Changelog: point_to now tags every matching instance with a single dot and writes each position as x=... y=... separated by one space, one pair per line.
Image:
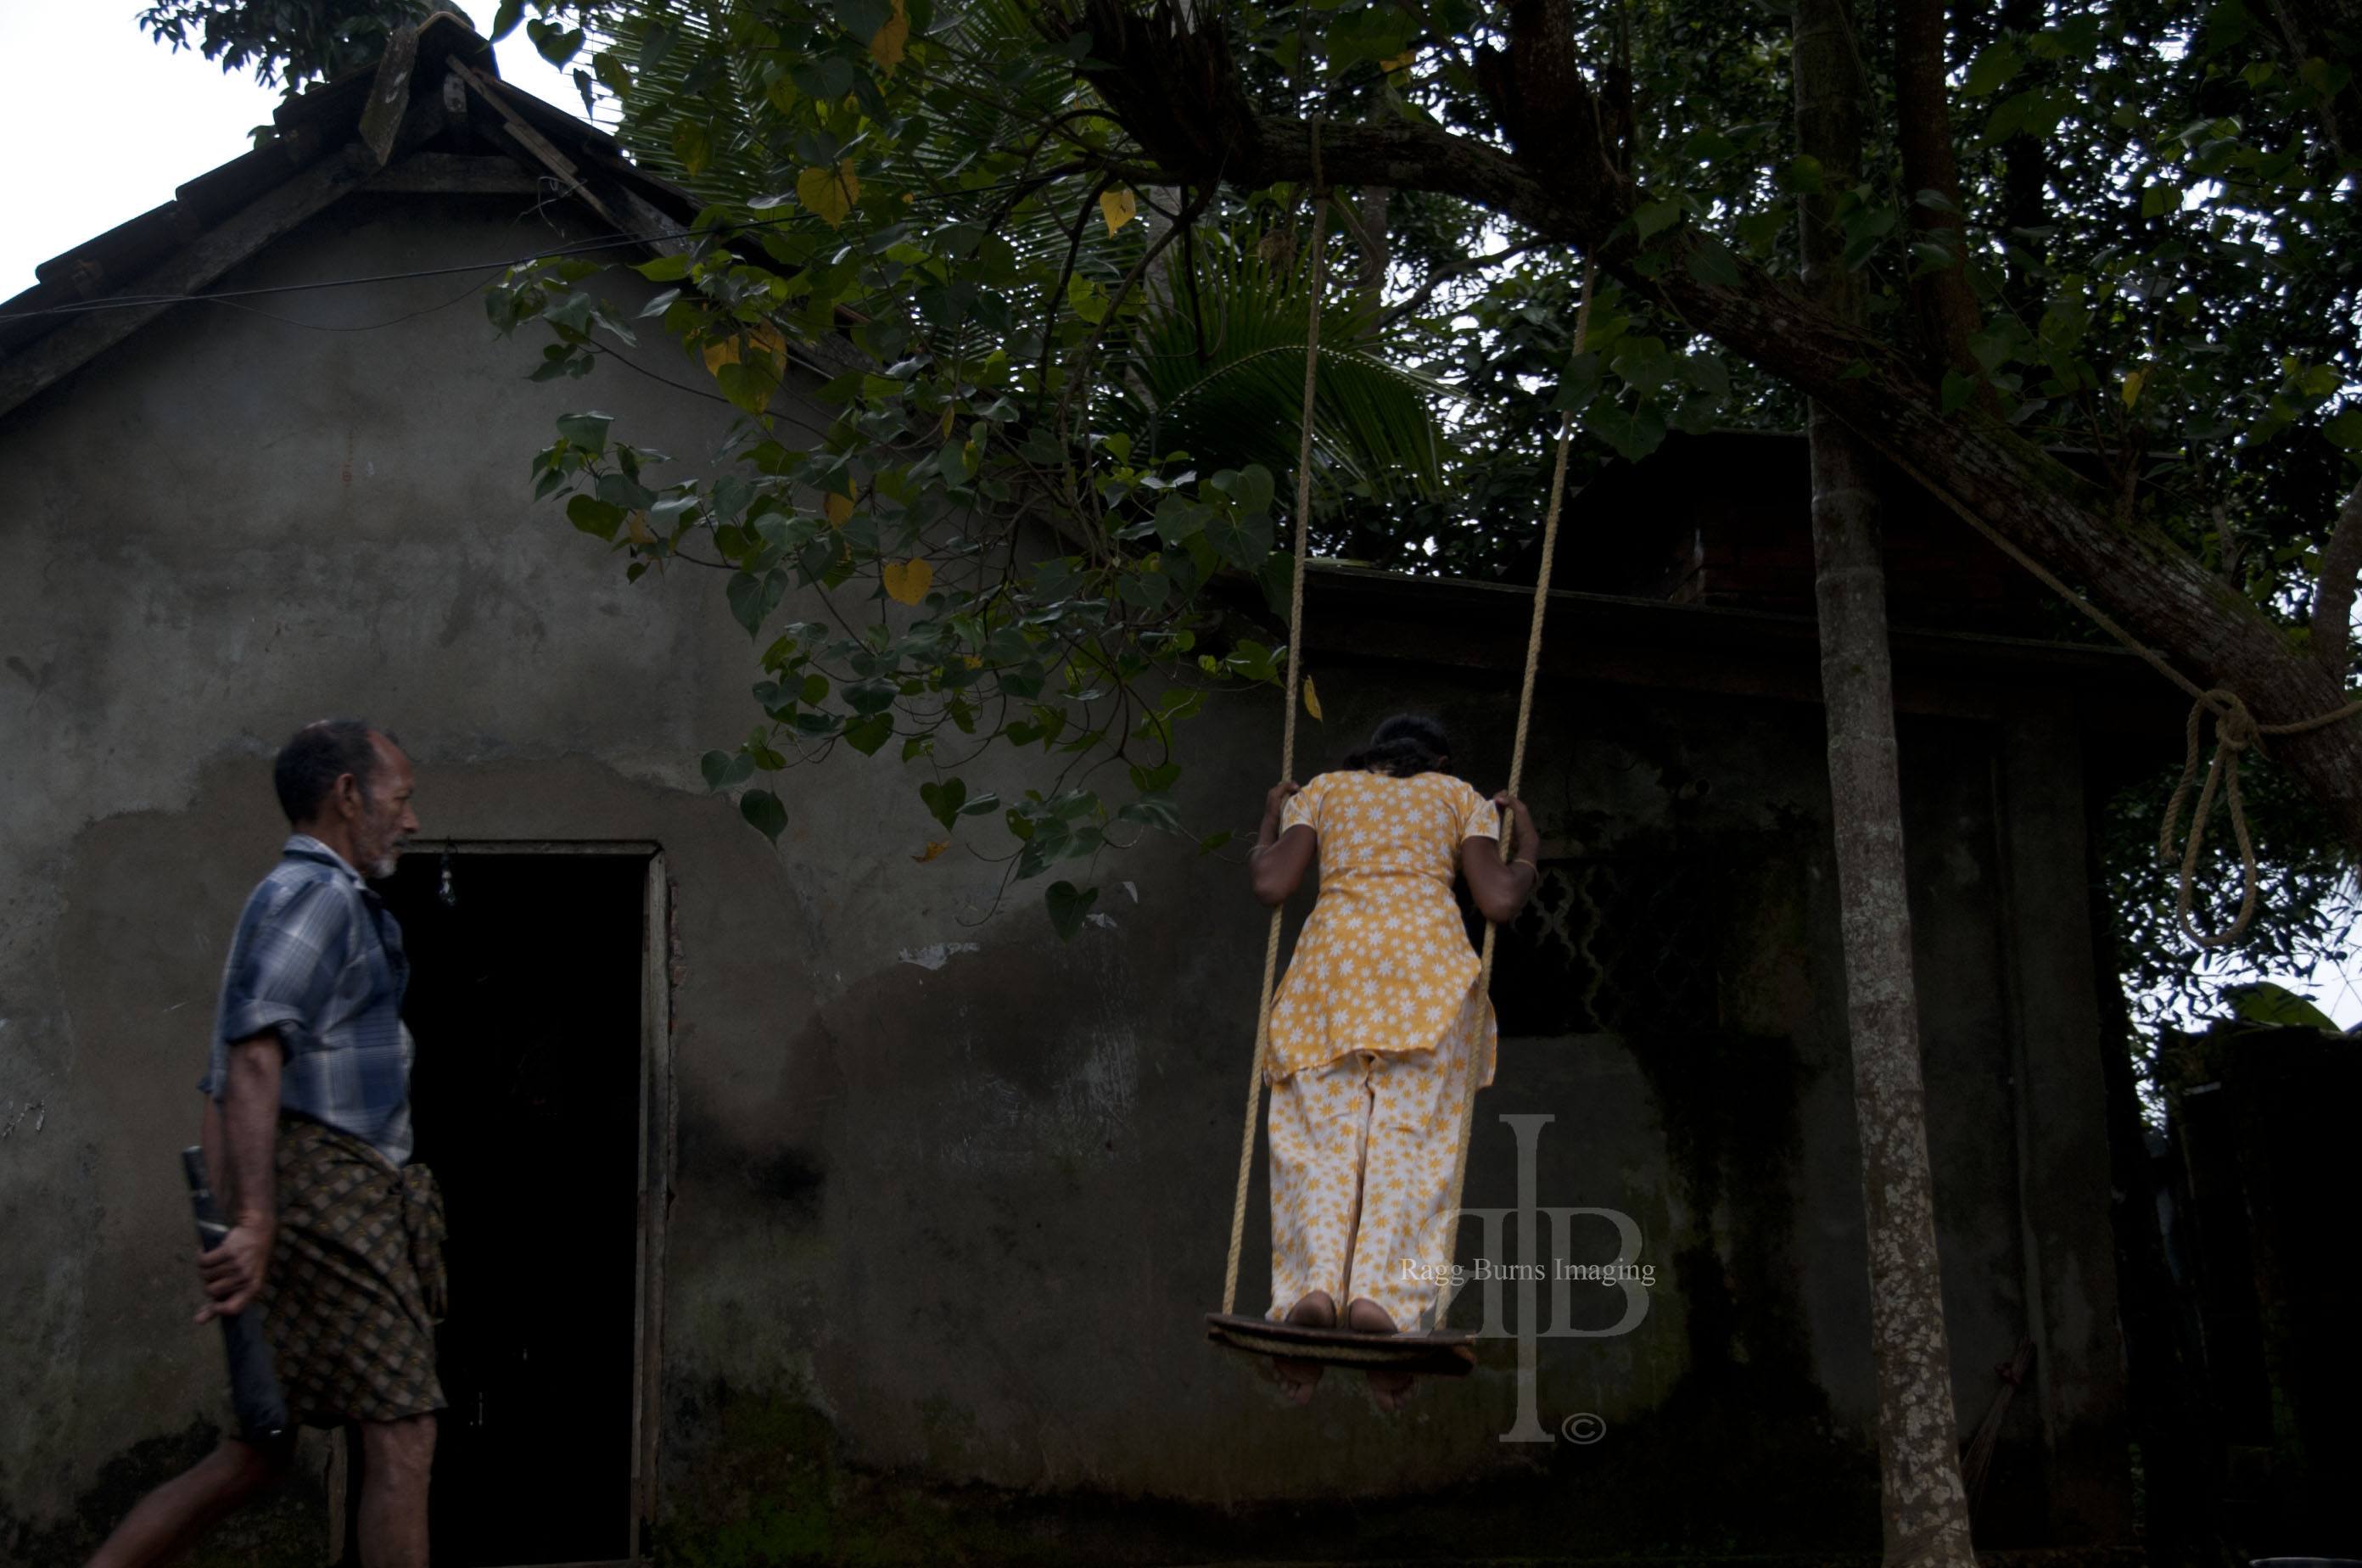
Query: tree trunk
x=1927 y=1512
x=2024 y=179
x=1941 y=300
x=1369 y=277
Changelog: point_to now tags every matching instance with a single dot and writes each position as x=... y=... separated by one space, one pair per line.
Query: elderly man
x=334 y=1237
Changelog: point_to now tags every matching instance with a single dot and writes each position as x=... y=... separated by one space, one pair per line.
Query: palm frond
x=1218 y=371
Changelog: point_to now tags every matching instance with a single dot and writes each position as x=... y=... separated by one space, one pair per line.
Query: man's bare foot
x=1316 y=1309
x=1390 y=1389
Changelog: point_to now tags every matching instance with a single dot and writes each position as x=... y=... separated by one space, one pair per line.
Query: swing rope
x=1476 y=1058
x=2236 y=730
x=1316 y=278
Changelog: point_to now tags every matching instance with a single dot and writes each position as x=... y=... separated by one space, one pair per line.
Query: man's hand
x=233 y=1272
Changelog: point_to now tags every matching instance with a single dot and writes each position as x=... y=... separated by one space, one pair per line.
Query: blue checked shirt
x=318 y=960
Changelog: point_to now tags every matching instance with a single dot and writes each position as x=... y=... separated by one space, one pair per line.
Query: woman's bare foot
x=1316 y=1309
x=1390 y=1389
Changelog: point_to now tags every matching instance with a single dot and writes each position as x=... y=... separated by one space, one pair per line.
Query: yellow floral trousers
x=1362 y=1155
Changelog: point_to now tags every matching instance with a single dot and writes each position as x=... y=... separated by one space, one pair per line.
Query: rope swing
x=1517 y=768
x=1316 y=277
x=1434 y=1350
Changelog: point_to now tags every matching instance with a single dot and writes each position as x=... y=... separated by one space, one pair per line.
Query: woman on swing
x=1372 y=1029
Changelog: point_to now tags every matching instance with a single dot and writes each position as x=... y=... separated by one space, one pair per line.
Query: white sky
x=73 y=166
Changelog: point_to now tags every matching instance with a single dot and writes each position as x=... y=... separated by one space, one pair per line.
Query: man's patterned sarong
x=356 y=1283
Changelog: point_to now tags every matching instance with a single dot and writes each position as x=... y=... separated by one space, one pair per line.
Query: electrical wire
x=461 y=297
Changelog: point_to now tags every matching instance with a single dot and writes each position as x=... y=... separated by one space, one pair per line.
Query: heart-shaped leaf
x=907 y=581
x=891 y=41
x=764 y=813
x=594 y=517
x=943 y=800
x=867 y=735
x=586 y=430
x=829 y=193
x=1243 y=540
x=752 y=598
x=1253 y=490
x=721 y=769
x=1068 y=905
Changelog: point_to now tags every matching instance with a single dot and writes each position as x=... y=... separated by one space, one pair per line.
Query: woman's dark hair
x=1405 y=745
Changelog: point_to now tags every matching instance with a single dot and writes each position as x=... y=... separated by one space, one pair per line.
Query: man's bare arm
x=233 y=1272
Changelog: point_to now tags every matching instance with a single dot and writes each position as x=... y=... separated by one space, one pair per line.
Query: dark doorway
x=526 y=973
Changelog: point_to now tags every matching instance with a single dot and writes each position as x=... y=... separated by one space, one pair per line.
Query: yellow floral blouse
x=1384 y=964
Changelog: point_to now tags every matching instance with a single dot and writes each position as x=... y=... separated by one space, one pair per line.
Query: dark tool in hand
x=253 y=1384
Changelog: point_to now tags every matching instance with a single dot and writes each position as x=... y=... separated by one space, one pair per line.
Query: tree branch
x=1176 y=91
x=2332 y=599
x=1410 y=304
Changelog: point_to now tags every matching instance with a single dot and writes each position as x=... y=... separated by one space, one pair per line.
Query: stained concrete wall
x=949 y=1197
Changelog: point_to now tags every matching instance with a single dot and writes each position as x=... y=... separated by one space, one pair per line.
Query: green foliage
x=1047 y=497
x=290 y=41
x=2275 y=1006
x=1217 y=366
x=1072 y=401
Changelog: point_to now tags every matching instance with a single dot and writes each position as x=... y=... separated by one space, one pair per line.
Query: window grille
x=1610 y=945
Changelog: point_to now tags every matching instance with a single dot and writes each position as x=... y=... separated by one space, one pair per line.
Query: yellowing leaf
x=732 y=350
x=1118 y=206
x=829 y=193
x=907 y=581
x=950 y=414
x=2133 y=387
x=1400 y=63
x=935 y=847
x=838 y=509
x=636 y=529
x=887 y=45
x=1311 y=700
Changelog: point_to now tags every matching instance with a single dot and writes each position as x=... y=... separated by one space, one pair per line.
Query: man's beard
x=380 y=866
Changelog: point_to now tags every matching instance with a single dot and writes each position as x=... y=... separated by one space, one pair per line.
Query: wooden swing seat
x=1438 y=1353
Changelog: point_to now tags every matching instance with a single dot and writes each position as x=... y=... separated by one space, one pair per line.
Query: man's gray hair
x=319 y=754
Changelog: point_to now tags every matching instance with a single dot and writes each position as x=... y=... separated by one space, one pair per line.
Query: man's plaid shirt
x=318 y=960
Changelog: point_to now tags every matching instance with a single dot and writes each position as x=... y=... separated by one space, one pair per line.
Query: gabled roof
x=431 y=115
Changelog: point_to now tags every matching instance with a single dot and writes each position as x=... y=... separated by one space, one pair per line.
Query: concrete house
x=797 y=1213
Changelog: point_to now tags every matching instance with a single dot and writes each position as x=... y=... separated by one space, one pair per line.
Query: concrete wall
x=950 y=1198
